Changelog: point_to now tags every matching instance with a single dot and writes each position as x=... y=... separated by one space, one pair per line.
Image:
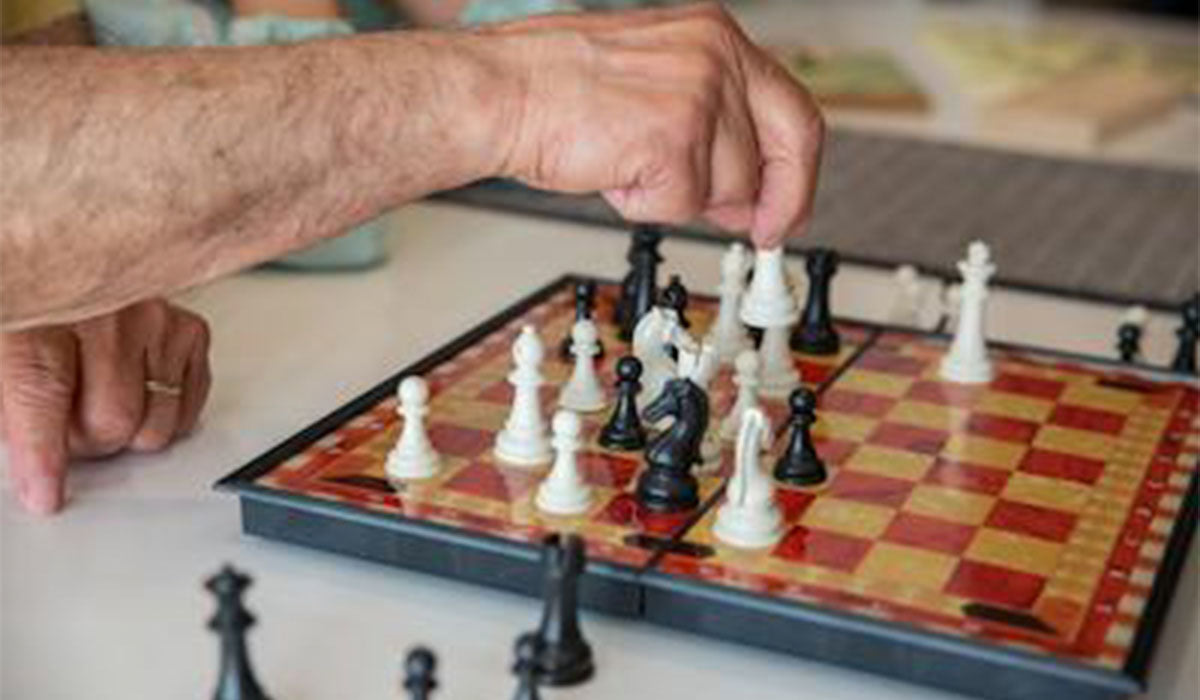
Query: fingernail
x=40 y=496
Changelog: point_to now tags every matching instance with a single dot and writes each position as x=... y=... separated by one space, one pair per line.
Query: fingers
x=112 y=387
x=38 y=372
x=197 y=380
x=179 y=361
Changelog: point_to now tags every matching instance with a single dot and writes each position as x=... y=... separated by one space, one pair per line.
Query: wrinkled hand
x=671 y=113
x=80 y=391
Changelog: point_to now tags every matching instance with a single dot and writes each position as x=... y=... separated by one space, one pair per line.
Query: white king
x=967 y=360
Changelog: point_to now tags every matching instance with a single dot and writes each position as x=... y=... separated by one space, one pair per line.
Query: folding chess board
x=1013 y=540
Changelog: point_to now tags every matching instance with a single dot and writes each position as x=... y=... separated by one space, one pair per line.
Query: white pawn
x=523 y=440
x=563 y=491
x=750 y=517
x=413 y=457
x=582 y=391
x=967 y=360
x=906 y=304
x=771 y=305
x=745 y=377
x=728 y=334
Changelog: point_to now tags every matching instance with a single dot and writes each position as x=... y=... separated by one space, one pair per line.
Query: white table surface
x=104 y=601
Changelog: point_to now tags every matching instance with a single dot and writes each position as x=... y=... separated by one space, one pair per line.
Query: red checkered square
x=493 y=482
x=793 y=503
x=870 y=488
x=822 y=548
x=995 y=585
x=1087 y=419
x=607 y=470
x=1060 y=465
x=833 y=451
x=892 y=363
x=1035 y=521
x=624 y=510
x=1036 y=387
x=929 y=533
x=459 y=441
x=909 y=437
x=968 y=477
x=1001 y=427
x=945 y=394
x=814 y=373
x=855 y=402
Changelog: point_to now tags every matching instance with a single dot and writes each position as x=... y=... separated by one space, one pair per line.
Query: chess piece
x=231 y=621
x=728 y=334
x=523 y=439
x=640 y=287
x=800 y=465
x=750 y=517
x=525 y=667
x=624 y=430
x=771 y=305
x=816 y=334
x=563 y=491
x=650 y=343
x=667 y=483
x=745 y=378
x=413 y=457
x=699 y=364
x=419 y=668
x=564 y=657
x=585 y=307
x=675 y=297
x=583 y=392
x=1129 y=334
x=906 y=304
x=1188 y=332
x=951 y=304
x=967 y=360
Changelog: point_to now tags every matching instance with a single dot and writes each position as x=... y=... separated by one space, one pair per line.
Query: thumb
x=37 y=388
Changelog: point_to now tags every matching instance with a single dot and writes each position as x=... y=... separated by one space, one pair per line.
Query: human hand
x=670 y=113
x=134 y=379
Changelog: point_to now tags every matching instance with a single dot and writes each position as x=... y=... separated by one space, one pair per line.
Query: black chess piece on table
x=564 y=657
x=525 y=667
x=640 y=288
x=800 y=465
x=675 y=297
x=585 y=306
x=419 y=668
x=816 y=334
x=667 y=483
x=1129 y=342
x=1188 y=333
x=236 y=679
x=624 y=430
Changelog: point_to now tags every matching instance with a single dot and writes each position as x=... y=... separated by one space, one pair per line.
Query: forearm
x=129 y=174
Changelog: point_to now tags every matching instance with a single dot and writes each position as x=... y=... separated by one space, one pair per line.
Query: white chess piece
x=651 y=338
x=413 y=457
x=523 y=440
x=728 y=334
x=967 y=360
x=951 y=305
x=771 y=305
x=745 y=378
x=582 y=391
x=750 y=518
x=1136 y=316
x=563 y=491
x=700 y=365
x=907 y=302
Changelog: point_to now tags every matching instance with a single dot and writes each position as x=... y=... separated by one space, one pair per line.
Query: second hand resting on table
x=239 y=155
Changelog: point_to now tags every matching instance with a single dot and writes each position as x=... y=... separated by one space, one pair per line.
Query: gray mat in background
x=1115 y=233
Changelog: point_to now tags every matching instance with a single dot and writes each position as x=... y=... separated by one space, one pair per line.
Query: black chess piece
x=815 y=334
x=419 y=668
x=800 y=465
x=675 y=297
x=640 y=288
x=1188 y=333
x=1129 y=342
x=564 y=657
x=667 y=483
x=624 y=430
x=236 y=680
x=525 y=667
x=585 y=306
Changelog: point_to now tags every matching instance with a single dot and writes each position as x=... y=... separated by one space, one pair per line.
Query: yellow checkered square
x=1013 y=551
x=887 y=461
x=843 y=426
x=847 y=517
x=1015 y=406
x=928 y=415
x=902 y=565
x=1044 y=491
x=1104 y=398
x=949 y=504
x=870 y=382
x=1084 y=443
x=984 y=451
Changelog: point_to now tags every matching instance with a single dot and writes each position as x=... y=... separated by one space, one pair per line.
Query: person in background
x=131 y=175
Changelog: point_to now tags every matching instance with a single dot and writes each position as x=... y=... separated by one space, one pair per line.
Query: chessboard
x=1013 y=539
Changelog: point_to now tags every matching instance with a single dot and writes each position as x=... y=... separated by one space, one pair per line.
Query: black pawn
x=815 y=333
x=1129 y=341
x=624 y=430
x=800 y=465
x=564 y=657
x=585 y=306
x=640 y=288
x=419 y=668
x=1188 y=332
x=525 y=666
x=236 y=680
x=675 y=297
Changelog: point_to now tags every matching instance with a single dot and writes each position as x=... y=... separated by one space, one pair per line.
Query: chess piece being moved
x=523 y=440
x=745 y=378
x=231 y=621
x=525 y=667
x=800 y=465
x=563 y=491
x=675 y=297
x=624 y=430
x=583 y=392
x=667 y=484
x=1129 y=334
x=967 y=360
x=585 y=308
x=771 y=305
x=419 y=668
x=564 y=658
x=413 y=457
x=750 y=517
x=728 y=335
x=816 y=334
x=1188 y=331
x=639 y=290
